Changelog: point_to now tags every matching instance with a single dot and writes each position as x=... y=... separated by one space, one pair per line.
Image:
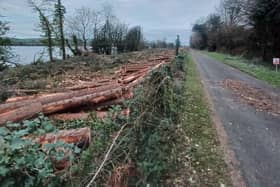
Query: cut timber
x=76 y=101
x=132 y=78
x=24 y=98
x=22 y=113
x=50 y=98
x=93 y=94
x=109 y=103
x=84 y=115
x=79 y=137
x=6 y=107
x=117 y=101
x=78 y=93
x=70 y=116
x=91 y=84
x=104 y=114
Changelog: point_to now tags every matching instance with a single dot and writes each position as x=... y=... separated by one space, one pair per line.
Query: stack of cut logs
x=93 y=96
x=75 y=102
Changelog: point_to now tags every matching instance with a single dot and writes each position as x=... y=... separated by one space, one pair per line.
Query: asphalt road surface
x=253 y=136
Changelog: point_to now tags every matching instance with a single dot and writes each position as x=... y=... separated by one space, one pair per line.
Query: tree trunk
x=61 y=30
x=71 y=49
x=50 y=43
x=77 y=101
x=80 y=137
x=85 y=42
x=26 y=112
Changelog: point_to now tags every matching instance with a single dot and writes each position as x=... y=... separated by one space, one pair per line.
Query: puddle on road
x=255 y=97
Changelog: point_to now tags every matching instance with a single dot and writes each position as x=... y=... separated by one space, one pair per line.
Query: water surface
x=29 y=54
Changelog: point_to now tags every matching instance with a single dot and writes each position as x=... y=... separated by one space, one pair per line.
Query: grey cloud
x=159 y=18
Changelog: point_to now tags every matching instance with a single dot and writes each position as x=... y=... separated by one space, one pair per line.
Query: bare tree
x=232 y=12
x=83 y=24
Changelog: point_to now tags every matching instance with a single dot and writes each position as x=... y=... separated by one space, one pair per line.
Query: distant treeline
x=246 y=27
x=33 y=42
x=26 y=42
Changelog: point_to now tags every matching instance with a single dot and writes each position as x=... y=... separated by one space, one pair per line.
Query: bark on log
x=133 y=77
x=21 y=113
x=108 y=91
x=91 y=84
x=50 y=98
x=77 y=93
x=109 y=103
x=79 y=137
x=22 y=98
x=70 y=116
x=77 y=101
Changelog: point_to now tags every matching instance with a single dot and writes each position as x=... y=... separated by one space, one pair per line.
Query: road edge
x=229 y=156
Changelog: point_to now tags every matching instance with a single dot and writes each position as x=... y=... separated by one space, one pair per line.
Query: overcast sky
x=160 y=19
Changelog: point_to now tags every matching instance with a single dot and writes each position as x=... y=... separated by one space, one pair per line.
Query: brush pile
x=75 y=102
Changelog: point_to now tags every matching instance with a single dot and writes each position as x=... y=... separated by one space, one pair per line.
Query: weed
x=23 y=162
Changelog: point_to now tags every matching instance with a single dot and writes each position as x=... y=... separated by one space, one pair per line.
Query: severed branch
x=106 y=157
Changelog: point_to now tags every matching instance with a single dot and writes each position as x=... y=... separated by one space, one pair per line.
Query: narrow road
x=254 y=136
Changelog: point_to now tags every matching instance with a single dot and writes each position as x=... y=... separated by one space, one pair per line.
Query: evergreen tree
x=4 y=45
x=59 y=25
x=134 y=39
x=46 y=27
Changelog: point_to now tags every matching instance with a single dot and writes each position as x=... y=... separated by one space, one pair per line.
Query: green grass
x=206 y=154
x=260 y=72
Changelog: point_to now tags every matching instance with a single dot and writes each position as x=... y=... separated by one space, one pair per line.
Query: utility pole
x=178 y=43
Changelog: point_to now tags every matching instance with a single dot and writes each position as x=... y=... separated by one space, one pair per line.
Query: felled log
x=91 y=84
x=135 y=82
x=24 y=98
x=25 y=101
x=79 y=137
x=70 y=116
x=6 y=107
x=105 y=93
x=117 y=101
x=17 y=111
x=161 y=58
x=84 y=115
x=21 y=113
x=50 y=98
x=104 y=114
x=78 y=93
x=76 y=101
x=78 y=116
x=132 y=77
x=109 y=103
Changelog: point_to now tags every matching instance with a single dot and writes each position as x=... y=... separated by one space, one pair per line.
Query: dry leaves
x=256 y=97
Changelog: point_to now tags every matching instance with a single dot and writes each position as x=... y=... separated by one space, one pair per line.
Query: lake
x=29 y=54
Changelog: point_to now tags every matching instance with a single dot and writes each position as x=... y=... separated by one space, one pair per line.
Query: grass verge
x=259 y=71
x=209 y=168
